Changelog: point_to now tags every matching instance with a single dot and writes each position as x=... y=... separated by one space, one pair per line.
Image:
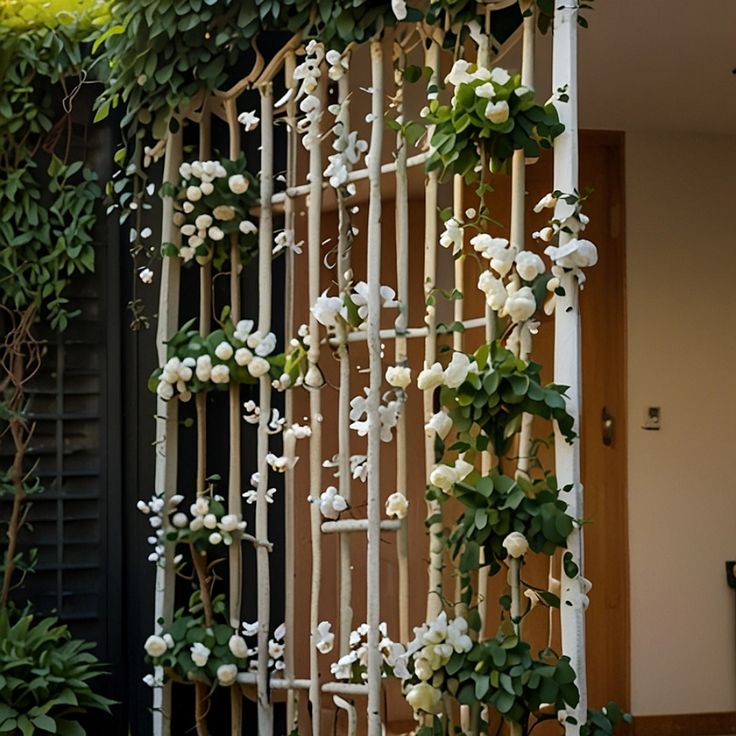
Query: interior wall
x=681 y=272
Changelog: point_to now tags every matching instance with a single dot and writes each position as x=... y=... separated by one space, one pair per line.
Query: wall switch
x=652 y=418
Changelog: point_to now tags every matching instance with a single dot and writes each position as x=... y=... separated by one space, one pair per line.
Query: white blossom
x=457 y=370
x=398 y=376
x=237 y=184
x=459 y=73
x=249 y=120
x=224 y=212
x=397 y=505
x=243 y=329
x=520 y=304
x=497 y=112
x=574 y=254
x=516 y=544
x=194 y=194
x=145 y=275
x=238 y=647
x=499 y=75
x=453 y=235
x=247 y=227
x=485 y=91
x=441 y=423
x=200 y=654
x=325 y=639
x=424 y=698
x=547 y=202
x=494 y=290
x=227 y=674
x=258 y=367
x=155 y=646
x=331 y=503
x=431 y=377
x=224 y=351
x=528 y=265
x=327 y=309
x=220 y=374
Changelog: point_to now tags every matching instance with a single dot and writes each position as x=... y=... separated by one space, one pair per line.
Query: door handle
x=607 y=427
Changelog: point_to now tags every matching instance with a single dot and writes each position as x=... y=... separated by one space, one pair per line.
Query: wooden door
x=604 y=467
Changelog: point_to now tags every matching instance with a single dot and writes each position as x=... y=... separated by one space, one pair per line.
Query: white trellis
x=303 y=190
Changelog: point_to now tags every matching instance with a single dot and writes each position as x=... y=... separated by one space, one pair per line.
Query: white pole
x=568 y=352
x=373 y=561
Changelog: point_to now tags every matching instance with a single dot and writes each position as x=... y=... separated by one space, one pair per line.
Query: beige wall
x=681 y=282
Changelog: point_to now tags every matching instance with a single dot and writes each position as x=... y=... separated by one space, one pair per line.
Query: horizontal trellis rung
x=357 y=525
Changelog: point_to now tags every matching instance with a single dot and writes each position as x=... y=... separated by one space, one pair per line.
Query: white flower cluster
x=355 y=663
x=249 y=120
x=388 y=415
x=397 y=504
x=445 y=476
x=252 y=495
x=284 y=241
x=453 y=235
x=398 y=376
x=308 y=73
x=358 y=466
x=455 y=374
x=576 y=253
x=331 y=503
x=175 y=374
x=496 y=110
x=327 y=310
x=275 y=646
x=157 y=509
x=203 y=228
x=429 y=652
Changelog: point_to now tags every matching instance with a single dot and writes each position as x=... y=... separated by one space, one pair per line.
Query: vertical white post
x=400 y=345
x=166 y=422
x=568 y=351
x=265 y=250
x=314 y=384
x=373 y=562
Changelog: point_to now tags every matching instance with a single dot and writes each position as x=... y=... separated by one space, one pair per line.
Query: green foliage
x=489 y=405
x=21 y=15
x=603 y=722
x=44 y=677
x=488 y=126
x=497 y=505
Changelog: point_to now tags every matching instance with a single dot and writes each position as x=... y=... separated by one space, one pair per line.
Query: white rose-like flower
x=431 y=377
x=207 y=188
x=249 y=120
x=398 y=376
x=194 y=194
x=247 y=227
x=520 y=305
x=155 y=646
x=227 y=674
x=180 y=520
x=238 y=647
x=529 y=265
x=325 y=640
x=224 y=212
x=258 y=367
x=327 y=309
x=397 y=505
x=331 y=503
x=423 y=697
x=439 y=423
x=462 y=468
x=574 y=254
x=165 y=390
x=203 y=371
x=547 y=202
x=243 y=356
x=220 y=374
x=486 y=91
x=499 y=75
x=497 y=112
x=224 y=351
x=185 y=171
x=443 y=476
x=452 y=236
x=459 y=73
x=516 y=544
x=423 y=669
x=237 y=184
x=457 y=371
x=494 y=290
x=215 y=233
x=200 y=654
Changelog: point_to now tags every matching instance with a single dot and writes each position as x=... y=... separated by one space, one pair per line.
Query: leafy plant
x=44 y=677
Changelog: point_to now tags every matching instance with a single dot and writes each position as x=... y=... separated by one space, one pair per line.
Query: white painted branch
x=356 y=175
x=315 y=408
x=349 y=708
x=265 y=250
x=400 y=346
x=344 y=237
x=292 y=141
x=458 y=213
x=357 y=525
x=568 y=352
x=165 y=478
x=373 y=562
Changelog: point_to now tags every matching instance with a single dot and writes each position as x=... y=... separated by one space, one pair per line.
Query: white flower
x=180 y=520
x=237 y=184
x=545 y=234
x=194 y=194
x=462 y=468
x=243 y=356
x=574 y=254
x=457 y=371
x=423 y=669
x=215 y=233
x=242 y=329
x=231 y=523
x=423 y=697
x=185 y=170
x=210 y=521
x=207 y=188
x=443 y=476
x=459 y=73
x=431 y=377
x=238 y=647
x=220 y=374
x=331 y=503
x=203 y=371
x=187 y=253
x=497 y=112
x=499 y=75
x=399 y=9
x=261 y=344
x=165 y=390
x=520 y=305
x=325 y=639
x=249 y=120
x=516 y=544
x=494 y=290
x=547 y=202
x=145 y=275
x=486 y=91
x=327 y=309
x=275 y=650
x=258 y=367
x=224 y=351
x=247 y=227
x=227 y=674
x=250 y=629
x=200 y=654
x=529 y=265
x=224 y=212
x=398 y=376
x=452 y=236
x=397 y=505
x=439 y=423
x=338 y=64
x=155 y=646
